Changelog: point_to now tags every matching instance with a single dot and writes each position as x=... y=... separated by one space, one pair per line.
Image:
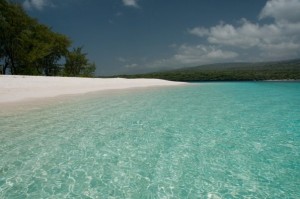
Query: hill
x=280 y=70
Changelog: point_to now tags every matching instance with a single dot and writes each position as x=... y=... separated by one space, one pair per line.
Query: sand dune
x=14 y=88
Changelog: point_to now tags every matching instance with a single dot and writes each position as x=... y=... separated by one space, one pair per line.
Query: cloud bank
x=190 y=55
x=277 y=40
x=282 y=10
x=245 y=41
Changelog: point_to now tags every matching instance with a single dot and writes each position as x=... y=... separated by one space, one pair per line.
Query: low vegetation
x=285 y=70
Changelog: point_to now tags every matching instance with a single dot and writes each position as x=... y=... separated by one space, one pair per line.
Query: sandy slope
x=18 y=88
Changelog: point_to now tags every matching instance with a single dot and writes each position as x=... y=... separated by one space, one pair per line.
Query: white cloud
x=246 y=35
x=280 y=51
x=35 y=4
x=247 y=41
x=282 y=10
x=277 y=40
x=202 y=54
x=191 y=55
x=199 y=31
x=132 y=3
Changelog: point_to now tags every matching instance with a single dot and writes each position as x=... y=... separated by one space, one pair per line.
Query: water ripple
x=229 y=140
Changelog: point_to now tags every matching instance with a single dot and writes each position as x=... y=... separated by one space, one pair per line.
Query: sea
x=201 y=140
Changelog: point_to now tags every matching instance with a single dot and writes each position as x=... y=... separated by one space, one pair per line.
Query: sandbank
x=15 y=88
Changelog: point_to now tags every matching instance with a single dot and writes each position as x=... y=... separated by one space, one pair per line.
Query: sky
x=135 y=36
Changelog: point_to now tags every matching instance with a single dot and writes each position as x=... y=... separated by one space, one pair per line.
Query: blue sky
x=132 y=36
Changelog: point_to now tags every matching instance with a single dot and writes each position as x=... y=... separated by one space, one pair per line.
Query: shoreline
x=33 y=104
x=16 y=89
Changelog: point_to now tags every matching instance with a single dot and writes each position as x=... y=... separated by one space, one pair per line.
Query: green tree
x=30 y=48
x=77 y=64
x=44 y=49
x=26 y=46
x=13 y=23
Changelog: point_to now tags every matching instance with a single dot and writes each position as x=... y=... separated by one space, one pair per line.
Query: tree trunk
x=5 y=67
x=13 y=66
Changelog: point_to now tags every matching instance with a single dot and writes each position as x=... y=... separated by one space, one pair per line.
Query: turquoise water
x=211 y=140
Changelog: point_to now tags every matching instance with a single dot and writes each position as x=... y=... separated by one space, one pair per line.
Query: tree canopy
x=77 y=64
x=28 y=47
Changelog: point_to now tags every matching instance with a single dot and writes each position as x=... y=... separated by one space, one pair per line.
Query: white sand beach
x=15 y=88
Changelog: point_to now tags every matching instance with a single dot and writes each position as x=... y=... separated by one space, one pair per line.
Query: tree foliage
x=30 y=48
x=44 y=49
x=13 y=26
x=78 y=65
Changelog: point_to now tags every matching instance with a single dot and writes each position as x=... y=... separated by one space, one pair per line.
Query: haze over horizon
x=133 y=36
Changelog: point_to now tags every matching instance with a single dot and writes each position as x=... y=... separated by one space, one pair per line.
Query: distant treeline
x=286 y=70
x=28 y=47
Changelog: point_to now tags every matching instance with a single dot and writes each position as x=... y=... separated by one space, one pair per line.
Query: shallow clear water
x=212 y=140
